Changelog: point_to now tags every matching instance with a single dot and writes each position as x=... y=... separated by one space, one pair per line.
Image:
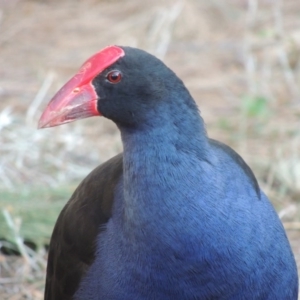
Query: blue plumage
x=188 y=224
x=188 y=219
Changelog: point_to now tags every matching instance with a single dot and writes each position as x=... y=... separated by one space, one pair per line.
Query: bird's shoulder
x=239 y=161
x=73 y=241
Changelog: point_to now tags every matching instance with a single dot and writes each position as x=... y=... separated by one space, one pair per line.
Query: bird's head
x=124 y=84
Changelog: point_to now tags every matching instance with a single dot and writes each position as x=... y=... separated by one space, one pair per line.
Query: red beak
x=78 y=99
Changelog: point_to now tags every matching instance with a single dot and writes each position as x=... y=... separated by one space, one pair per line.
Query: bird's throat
x=160 y=174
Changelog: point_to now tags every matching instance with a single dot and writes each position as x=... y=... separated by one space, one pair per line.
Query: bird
x=176 y=215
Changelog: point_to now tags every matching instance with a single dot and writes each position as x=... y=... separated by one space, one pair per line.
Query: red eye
x=114 y=76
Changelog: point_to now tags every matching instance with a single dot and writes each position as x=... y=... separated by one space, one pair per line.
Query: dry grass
x=240 y=59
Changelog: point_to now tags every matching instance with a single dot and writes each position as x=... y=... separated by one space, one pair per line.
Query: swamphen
x=175 y=216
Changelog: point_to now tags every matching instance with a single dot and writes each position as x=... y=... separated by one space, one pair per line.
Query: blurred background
x=240 y=59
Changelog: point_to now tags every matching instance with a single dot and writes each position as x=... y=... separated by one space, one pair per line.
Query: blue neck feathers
x=162 y=162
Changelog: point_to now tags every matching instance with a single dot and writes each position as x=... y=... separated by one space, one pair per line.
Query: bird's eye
x=114 y=76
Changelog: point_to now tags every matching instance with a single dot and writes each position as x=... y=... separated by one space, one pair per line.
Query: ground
x=240 y=59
